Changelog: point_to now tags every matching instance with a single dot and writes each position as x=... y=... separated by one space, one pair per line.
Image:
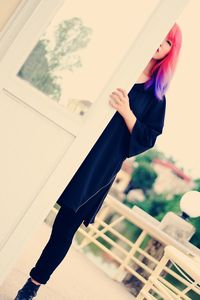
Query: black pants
x=64 y=227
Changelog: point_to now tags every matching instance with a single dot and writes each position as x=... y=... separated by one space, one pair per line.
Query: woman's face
x=163 y=50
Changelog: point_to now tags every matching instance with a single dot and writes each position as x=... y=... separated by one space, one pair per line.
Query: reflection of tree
x=70 y=36
x=43 y=62
x=36 y=71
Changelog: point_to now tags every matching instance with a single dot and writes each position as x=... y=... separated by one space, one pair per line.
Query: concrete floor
x=75 y=278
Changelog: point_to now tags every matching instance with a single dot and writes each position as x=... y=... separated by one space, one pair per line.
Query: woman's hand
x=120 y=101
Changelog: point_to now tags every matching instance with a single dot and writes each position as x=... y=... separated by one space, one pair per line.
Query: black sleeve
x=144 y=133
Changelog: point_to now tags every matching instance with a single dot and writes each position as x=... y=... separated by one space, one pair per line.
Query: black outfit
x=97 y=172
x=28 y=291
x=84 y=195
x=64 y=227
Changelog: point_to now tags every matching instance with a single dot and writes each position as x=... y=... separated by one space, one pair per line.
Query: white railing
x=129 y=255
x=188 y=267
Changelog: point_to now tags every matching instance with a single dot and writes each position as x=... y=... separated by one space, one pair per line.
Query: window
x=80 y=49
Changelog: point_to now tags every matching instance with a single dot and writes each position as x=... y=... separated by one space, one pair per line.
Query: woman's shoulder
x=158 y=107
x=156 y=100
x=143 y=99
x=150 y=91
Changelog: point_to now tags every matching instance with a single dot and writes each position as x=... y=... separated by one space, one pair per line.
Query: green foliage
x=196 y=237
x=157 y=205
x=196 y=221
x=149 y=156
x=107 y=244
x=70 y=36
x=36 y=71
x=144 y=176
x=197 y=184
x=45 y=60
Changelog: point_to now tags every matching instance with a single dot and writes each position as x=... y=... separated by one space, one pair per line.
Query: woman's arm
x=130 y=120
x=120 y=101
x=143 y=133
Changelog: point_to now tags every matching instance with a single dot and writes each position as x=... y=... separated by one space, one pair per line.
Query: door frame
x=137 y=55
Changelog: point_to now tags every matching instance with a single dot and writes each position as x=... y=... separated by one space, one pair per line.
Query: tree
x=196 y=221
x=36 y=71
x=51 y=56
x=197 y=184
x=157 y=205
x=143 y=177
x=149 y=156
x=70 y=36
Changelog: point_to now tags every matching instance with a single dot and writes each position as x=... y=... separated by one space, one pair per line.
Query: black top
x=92 y=181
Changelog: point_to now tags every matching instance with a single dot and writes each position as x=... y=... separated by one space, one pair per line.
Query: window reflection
x=56 y=52
x=80 y=49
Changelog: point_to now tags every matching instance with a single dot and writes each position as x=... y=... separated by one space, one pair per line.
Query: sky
x=180 y=135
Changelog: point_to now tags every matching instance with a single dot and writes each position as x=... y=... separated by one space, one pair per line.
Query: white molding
x=15 y=23
x=50 y=109
x=25 y=33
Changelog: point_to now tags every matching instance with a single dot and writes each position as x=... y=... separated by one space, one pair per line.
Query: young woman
x=133 y=129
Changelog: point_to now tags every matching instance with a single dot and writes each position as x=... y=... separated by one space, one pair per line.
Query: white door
x=59 y=62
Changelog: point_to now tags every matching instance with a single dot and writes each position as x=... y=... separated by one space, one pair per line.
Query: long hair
x=163 y=71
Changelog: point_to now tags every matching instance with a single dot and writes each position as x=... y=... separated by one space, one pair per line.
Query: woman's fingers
x=118 y=98
x=122 y=90
x=118 y=94
x=114 y=100
x=120 y=101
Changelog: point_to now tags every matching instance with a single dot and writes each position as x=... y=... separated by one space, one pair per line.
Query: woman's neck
x=147 y=70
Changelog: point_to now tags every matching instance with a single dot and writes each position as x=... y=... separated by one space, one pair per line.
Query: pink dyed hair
x=163 y=71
